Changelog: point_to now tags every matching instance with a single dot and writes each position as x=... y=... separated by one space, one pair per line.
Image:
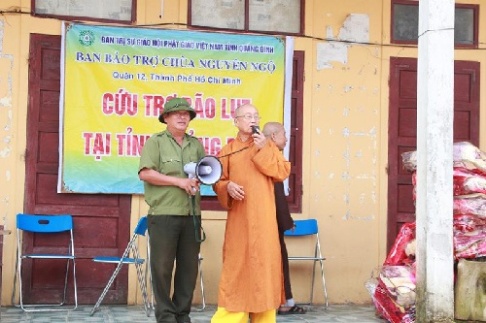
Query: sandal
x=283 y=310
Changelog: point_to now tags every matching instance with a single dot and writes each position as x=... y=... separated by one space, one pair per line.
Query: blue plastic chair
x=46 y=224
x=131 y=256
x=309 y=228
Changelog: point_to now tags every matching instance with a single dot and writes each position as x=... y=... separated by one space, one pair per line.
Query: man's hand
x=190 y=185
x=260 y=140
x=235 y=191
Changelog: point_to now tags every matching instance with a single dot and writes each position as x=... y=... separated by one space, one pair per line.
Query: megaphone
x=207 y=170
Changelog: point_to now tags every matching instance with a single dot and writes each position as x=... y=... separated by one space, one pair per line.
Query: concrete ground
x=135 y=314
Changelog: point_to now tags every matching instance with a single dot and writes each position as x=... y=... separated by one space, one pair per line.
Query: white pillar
x=435 y=114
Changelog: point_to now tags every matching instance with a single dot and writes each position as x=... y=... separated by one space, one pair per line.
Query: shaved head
x=276 y=132
x=245 y=108
x=271 y=127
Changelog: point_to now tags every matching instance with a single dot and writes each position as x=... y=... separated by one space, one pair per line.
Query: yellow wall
x=345 y=148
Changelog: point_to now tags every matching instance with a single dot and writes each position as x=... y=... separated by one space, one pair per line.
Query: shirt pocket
x=171 y=166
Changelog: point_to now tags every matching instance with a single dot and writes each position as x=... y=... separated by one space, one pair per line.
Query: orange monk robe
x=251 y=278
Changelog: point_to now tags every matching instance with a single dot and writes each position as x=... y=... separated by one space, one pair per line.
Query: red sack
x=469 y=236
x=473 y=204
x=468 y=181
x=385 y=306
x=397 y=254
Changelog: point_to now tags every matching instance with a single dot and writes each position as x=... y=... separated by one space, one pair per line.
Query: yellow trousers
x=223 y=316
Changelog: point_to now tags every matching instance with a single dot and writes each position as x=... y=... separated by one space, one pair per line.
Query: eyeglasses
x=248 y=117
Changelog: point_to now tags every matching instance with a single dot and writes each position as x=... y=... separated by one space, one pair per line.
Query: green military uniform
x=162 y=153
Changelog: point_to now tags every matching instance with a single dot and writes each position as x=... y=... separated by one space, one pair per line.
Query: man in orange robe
x=251 y=278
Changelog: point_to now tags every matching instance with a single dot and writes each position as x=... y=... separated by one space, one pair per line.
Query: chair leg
x=75 y=285
x=44 y=307
x=107 y=287
x=19 y=275
x=148 y=273
x=324 y=284
x=65 y=284
x=143 y=288
x=312 y=287
x=149 y=281
x=66 y=279
x=141 y=280
x=203 y=299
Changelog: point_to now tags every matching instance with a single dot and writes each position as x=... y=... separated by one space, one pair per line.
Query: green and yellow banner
x=116 y=80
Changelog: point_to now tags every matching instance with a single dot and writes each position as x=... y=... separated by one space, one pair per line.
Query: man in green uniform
x=174 y=201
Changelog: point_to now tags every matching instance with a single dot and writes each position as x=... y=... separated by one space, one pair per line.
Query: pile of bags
x=393 y=291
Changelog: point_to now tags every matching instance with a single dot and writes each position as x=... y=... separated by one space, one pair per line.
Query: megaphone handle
x=202 y=233
x=199 y=233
